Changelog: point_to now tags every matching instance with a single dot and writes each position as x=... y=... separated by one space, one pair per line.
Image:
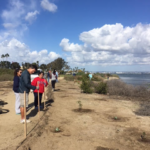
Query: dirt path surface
x=102 y=124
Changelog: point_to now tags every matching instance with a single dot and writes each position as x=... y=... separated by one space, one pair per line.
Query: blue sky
x=99 y=35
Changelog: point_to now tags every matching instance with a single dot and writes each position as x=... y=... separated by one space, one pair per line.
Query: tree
x=66 y=67
x=6 y=55
x=3 y=56
x=57 y=64
x=15 y=65
x=26 y=65
x=43 y=66
x=5 y=64
x=37 y=64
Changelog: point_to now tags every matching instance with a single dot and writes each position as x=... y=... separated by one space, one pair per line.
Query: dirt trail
x=103 y=124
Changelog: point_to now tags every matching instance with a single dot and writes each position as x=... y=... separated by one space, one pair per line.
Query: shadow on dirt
x=103 y=148
x=3 y=111
x=57 y=90
x=35 y=111
x=83 y=110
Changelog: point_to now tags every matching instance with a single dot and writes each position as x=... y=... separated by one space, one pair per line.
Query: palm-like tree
x=6 y=55
x=3 y=56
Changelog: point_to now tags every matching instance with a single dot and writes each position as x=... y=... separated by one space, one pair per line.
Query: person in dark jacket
x=25 y=85
x=17 y=75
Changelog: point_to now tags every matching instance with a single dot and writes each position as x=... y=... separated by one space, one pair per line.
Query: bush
x=69 y=77
x=119 y=88
x=97 y=78
x=85 y=86
x=101 y=88
x=6 y=77
x=80 y=73
x=79 y=78
x=6 y=71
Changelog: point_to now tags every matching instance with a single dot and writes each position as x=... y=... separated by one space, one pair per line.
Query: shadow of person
x=48 y=102
x=33 y=113
x=30 y=106
x=2 y=103
x=3 y=111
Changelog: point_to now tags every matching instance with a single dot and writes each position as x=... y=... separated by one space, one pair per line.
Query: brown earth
x=102 y=123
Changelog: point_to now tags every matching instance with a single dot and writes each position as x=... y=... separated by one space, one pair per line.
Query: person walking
x=16 y=80
x=53 y=79
x=48 y=75
x=57 y=76
x=42 y=82
x=25 y=85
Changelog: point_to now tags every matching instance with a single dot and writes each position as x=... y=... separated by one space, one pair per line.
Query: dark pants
x=36 y=98
x=53 y=83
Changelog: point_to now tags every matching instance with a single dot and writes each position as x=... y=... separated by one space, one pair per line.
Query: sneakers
x=18 y=113
x=23 y=121
x=36 y=107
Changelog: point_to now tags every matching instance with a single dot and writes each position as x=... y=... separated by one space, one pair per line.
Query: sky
x=98 y=35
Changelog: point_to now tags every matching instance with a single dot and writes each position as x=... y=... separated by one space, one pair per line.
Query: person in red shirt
x=42 y=82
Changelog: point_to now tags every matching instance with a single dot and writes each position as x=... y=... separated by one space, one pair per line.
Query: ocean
x=135 y=79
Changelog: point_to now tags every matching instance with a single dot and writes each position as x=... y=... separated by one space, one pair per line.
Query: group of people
x=22 y=83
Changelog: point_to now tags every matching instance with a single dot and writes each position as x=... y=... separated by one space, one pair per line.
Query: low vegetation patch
x=119 y=88
x=6 y=77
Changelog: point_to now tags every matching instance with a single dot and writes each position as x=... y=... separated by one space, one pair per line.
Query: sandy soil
x=102 y=124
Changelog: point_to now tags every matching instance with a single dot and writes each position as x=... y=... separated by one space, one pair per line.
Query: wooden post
x=25 y=123
x=44 y=97
x=38 y=102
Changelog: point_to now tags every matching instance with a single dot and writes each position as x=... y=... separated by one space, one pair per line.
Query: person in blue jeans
x=48 y=76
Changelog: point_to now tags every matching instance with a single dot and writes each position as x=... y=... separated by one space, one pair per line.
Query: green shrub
x=96 y=78
x=79 y=78
x=101 y=88
x=102 y=75
x=85 y=86
x=6 y=77
x=80 y=73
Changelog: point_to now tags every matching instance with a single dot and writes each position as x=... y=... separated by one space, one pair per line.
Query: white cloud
x=70 y=46
x=14 y=11
x=48 y=6
x=14 y=17
x=21 y=53
x=31 y=16
x=111 y=45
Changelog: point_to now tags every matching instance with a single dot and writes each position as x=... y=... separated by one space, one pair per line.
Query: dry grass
x=6 y=77
x=119 y=88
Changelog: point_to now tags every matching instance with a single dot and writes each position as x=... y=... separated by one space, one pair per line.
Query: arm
x=34 y=82
x=45 y=83
x=16 y=83
x=28 y=83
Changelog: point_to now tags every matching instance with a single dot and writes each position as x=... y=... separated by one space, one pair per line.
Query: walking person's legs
x=36 y=100
x=40 y=94
x=17 y=103
x=52 y=82
x=22 y=106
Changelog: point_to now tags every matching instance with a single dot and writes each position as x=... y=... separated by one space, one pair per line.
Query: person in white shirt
x=53 y=79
